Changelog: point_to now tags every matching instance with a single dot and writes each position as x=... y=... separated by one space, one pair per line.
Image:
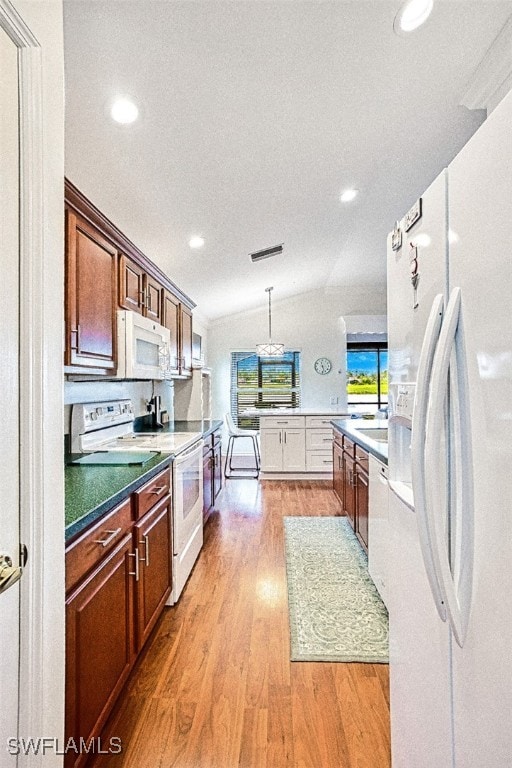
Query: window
x=367 y=374
x=263 y=382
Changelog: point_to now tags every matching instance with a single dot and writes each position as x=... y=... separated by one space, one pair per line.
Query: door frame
x=41 y=673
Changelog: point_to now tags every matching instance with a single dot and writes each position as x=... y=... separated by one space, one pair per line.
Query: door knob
x=9 y=574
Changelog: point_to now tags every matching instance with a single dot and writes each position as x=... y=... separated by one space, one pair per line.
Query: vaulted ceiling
x=254 y=116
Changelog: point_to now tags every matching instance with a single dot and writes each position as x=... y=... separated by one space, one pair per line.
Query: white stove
x=108 y=426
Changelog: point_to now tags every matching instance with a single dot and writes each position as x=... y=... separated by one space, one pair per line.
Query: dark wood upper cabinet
x=178 y=319
x=105 y=271
x=171 y=320
x=154 y=294
x=139 y=291
x=186 y=341
x=131 y=285
x=91 y=302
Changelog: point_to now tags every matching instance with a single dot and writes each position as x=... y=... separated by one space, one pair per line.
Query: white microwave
x=143 y=347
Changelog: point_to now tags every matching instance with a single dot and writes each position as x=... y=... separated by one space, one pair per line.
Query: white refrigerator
x=450 y=462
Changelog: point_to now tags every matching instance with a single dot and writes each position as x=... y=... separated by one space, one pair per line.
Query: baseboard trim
x=295 y=475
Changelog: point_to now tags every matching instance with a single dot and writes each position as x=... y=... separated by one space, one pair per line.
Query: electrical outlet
x=334 y=400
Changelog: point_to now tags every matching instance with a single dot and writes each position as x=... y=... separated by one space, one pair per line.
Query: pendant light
x=270 y=349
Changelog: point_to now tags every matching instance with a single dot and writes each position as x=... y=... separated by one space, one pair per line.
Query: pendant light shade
x=271 y=349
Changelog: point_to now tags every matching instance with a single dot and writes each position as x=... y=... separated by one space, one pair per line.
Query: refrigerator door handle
x=420 y=468
x=457 y=613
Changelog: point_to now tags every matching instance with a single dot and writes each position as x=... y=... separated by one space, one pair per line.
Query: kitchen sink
x=377 y=433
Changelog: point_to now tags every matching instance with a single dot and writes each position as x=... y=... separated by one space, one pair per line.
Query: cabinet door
x=153 y=293
x=152 y=535
x=99 y=645
x=171 y=320
x=91 y=301
x=294 y=450
x=217 y=465
x=349 y=501
x=337 y=473
x=207 y=482
x=131 y=286
x=186 y=341
x=362 y=507
x=271 y=450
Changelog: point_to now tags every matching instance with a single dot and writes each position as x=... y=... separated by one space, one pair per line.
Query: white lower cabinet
x=378 y=527
x=296 y=443
x=282 y=449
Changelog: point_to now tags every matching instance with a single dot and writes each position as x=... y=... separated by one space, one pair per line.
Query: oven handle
x=196 y=447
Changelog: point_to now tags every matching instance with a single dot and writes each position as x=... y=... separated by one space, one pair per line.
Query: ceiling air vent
x=267 y=252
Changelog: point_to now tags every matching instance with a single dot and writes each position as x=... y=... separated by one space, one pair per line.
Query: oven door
x=188 y=495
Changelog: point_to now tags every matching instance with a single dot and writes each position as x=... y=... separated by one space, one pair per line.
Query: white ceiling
x=254 y=115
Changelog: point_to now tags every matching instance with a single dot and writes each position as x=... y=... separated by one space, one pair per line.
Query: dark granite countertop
x=90 y=491
x=351 y=427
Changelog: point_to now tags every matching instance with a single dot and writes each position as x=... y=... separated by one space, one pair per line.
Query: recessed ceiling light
x=412 y=15
x=124 y=111
x=196 y=242
x=348 y=195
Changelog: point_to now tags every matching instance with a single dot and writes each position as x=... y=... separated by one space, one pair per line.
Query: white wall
x=311 y=323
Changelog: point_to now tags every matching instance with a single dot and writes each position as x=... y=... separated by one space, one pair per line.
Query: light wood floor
x=215 y=687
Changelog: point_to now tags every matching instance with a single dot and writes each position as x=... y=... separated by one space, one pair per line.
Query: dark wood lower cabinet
x=118 y=576
x=100 y=645
x=350 y=483
x=361 y=492
x=217 y=464
x=153 y=546
x=207 y=481
x=349 y=496
x=337 y=471
x=212 y=472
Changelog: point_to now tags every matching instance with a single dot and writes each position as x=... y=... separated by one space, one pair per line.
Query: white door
x=480 y=192
x=9 y=387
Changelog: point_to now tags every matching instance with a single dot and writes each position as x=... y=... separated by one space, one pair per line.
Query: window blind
x=263 y=382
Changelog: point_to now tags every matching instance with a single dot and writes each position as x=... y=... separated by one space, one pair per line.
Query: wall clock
x=323 y=365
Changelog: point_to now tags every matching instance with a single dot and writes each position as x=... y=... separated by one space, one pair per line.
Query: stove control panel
x=86 y=417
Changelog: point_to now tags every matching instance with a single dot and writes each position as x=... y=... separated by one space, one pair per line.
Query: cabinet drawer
x=319 y=461
x=84 y=553
x=320 y=421
x=147 y=496
x=337 y=438
x=216 y=438
x=349 y=446
x=362 y=457
x=281 y=422
x=318 y=439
